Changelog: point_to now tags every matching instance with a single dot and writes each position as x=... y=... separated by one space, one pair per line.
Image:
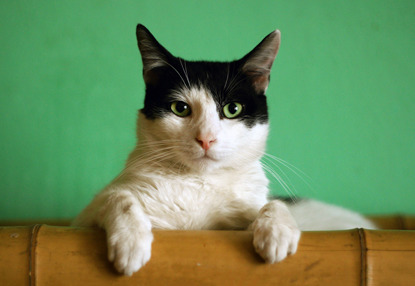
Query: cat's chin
x=204 y=163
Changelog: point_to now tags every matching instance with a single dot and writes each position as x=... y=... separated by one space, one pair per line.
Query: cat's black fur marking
x=225 y=80
x=287 y=200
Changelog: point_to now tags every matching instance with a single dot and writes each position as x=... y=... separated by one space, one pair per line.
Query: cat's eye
x=180 y=108
x=232 y=110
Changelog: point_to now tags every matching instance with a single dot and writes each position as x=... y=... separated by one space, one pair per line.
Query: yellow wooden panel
x=14 y=256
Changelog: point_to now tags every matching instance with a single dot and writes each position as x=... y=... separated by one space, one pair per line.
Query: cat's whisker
x=143 y=160
x=299 y=173
x=177 y=73
x=236 y=79
x=280 y=180
x=234 y=85
x=270 y=165
x=167 y=143
x=291 y=193
x=284 y=180
x=227 y=77
x=151 y=156
x=232 y=79
x=279 y=168
x=180 y=167
x=185 y=71
x=287 y=164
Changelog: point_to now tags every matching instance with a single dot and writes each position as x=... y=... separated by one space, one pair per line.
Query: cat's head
x=205 y=115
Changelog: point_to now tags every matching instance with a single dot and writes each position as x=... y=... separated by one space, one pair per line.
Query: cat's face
x=205 y=115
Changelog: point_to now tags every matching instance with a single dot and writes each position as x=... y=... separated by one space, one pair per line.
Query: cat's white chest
x=216 y=201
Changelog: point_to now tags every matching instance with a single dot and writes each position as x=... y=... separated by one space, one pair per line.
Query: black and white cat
x=201 y=135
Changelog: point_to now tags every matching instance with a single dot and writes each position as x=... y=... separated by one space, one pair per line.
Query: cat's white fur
x=201 y=172
x=316 y=215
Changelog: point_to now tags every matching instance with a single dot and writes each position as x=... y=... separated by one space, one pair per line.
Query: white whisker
x=177 y=73
x=299 y=173
x=234 y=82
x=185 y=71
x=227 y=76
x=280 y=180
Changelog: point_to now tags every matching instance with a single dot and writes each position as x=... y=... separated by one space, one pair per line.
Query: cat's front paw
x=276 y=234
x=129 y=250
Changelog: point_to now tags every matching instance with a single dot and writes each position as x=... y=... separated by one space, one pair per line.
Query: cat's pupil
x=181 y=107
x=233 y=108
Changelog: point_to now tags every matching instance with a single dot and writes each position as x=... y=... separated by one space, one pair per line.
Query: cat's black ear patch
x=153 y=54
x=257 y=64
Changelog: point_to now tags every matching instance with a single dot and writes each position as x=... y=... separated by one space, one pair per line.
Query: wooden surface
x=390 y=257
x=14 y=255
x=50 y=255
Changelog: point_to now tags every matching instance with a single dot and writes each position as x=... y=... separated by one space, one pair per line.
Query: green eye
x=232 y=110
x=180 y=108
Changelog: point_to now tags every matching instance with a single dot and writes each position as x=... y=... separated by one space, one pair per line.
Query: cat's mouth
x=203 y=159
x=207 y=156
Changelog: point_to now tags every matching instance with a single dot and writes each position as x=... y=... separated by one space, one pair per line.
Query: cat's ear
x=153 y=54
x=257 y=64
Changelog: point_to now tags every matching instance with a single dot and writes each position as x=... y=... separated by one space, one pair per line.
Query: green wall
x=341 y=95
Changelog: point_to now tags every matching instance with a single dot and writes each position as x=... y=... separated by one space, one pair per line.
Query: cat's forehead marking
x=197 y=96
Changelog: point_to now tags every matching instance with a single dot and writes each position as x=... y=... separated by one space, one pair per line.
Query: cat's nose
x=205 y=141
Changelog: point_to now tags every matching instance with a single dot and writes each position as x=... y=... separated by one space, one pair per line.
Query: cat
x=196 y=165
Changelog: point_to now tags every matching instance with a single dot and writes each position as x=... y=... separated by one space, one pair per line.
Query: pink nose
x=205 y=141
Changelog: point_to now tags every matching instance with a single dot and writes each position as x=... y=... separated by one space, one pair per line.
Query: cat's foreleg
x=275 y=232
x=129 y=235
x=128 y=228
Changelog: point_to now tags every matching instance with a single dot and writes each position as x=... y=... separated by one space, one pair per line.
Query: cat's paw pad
x=129 y=251
x=274 y=241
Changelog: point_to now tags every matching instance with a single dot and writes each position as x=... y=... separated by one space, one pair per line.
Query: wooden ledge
x=48 y=255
